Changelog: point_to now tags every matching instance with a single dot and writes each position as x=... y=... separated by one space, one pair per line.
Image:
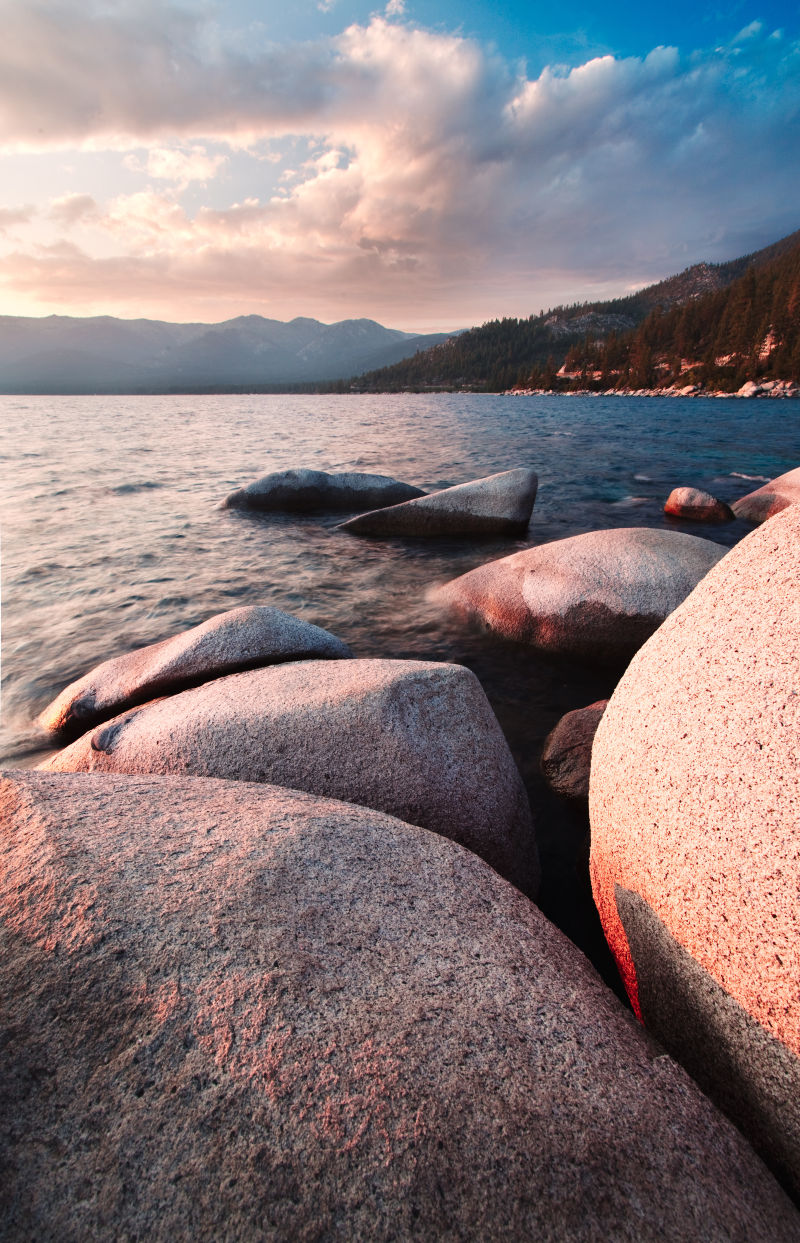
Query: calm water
x=113 y=538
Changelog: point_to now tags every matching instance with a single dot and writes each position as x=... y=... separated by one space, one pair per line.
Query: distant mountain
x=62 y=354
x=508 y=352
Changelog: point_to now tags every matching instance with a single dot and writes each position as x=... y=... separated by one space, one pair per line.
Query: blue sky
x=426 y=164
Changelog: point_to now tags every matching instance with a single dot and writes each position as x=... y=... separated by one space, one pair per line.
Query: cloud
x=10 y=217
x=179 y=166
x=72 y=209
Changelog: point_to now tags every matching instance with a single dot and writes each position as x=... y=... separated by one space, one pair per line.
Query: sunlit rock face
x=695 y=819
x=413 y=738
x=771 y=499
x=304 y=491
x=241 y=1012
x=497 y=505
x=238 y=639
x=598 y=596
x=695 y=505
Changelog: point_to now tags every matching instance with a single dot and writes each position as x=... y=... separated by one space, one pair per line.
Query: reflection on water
x=113 y=537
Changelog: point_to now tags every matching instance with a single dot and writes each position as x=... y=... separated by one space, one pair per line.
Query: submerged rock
x=771 y=499
x=695 y=816
x=498 y=504
x=412 y=738
x=245 y=1013
x=598 y=596
x=698 y=506
x=239 y=639
x=303 y=491
x=567 y=753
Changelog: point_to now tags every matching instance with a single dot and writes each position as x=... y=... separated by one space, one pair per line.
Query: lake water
x=112 y=537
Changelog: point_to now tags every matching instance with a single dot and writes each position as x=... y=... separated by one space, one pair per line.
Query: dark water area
x=112 y=538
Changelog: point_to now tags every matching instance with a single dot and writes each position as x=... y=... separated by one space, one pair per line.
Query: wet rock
x=246 y=1013
x=771 y=499
x=567 y=753
x=598 y=596
x=695 y=808
x=498 y=504
x=697 y=506
x=416 y=739
x=304 y=491
x=239 y=639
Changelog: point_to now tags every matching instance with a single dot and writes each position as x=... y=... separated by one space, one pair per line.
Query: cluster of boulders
x=268 y=975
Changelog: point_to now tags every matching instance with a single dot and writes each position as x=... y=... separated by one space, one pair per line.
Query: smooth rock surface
x=695 y=818
x=243 y=1013
x=304 y=491
x=567 y=752
x=416 y=739
x=498 y=504
x=239 y=639
x=597 y=596
x=697 y=506
x=771 y=499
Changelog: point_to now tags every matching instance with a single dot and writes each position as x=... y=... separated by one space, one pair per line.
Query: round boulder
x=416 y=739
x=567 y=753
x=245 y=1013
x=499 y=504
x=239 y=639
x=771 y=499
x=695 y=817
x=597 y=596
x=304 y=491
x=697 y=506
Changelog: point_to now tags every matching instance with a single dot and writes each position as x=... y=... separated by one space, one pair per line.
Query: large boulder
x=499 y=504
x=771 y=499
x=697 y=506
x=416 y=739
x=567 y=753
x=695 y=814
x=240 y=639
x=598 y=596
x=240 y=1012
x=304 y=491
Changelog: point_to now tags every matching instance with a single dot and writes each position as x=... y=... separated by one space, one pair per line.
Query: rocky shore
x=769 y=388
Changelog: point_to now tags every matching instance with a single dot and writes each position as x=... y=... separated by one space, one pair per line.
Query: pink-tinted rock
x=695 y=816
x=416 y=739
x=243 y=1013
x=697 y=506
x=239 y=639
x=567 y=753
x=597 y=596
x=771 y=499
x=306 y=491
x=498 y=504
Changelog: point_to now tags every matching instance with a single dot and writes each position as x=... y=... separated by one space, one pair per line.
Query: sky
x=425 y=163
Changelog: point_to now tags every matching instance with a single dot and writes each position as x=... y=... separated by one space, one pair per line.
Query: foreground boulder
x=697 y=506
x=567 y=752
x=695 y=814
x=415 y=739
x=304 y=491
x=240 y=639
x=597 y=596
x=497 y=505
x=245 y=1013
x=771 y=499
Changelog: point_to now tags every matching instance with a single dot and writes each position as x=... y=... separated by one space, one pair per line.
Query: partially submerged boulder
x=304 y=491
x=246 y=1013
x=240 y=639
x=567 y=752
x=598 y=596
x=697 y=506
x=416 y=739
x=497 y=505
x=695 y=815
x=771 y=499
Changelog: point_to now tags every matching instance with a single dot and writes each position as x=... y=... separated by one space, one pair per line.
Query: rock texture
x=771 y=499
x=304 y=491
x=240 y=639
x=245 y=1013
x=498 y=504
x=567 y=752
x=697 y=506
x=412 y=738
x=597 y=596
x=695 y=814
